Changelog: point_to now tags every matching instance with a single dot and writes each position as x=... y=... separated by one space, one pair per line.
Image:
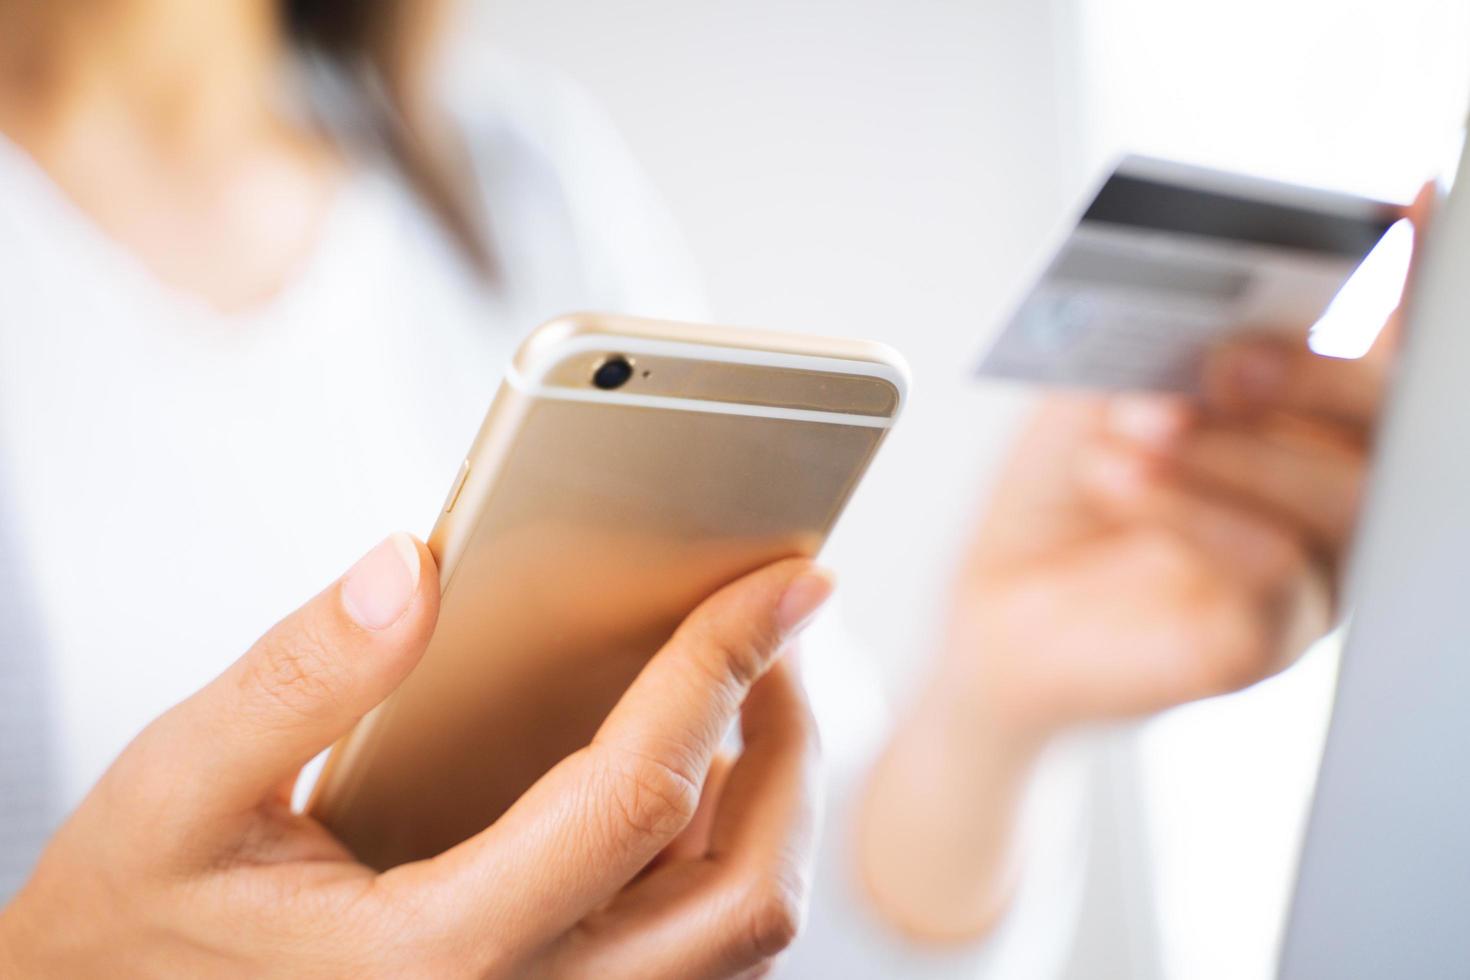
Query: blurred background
x=896 y=170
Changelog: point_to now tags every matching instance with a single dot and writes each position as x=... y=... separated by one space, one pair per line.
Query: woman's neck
x=162 y=120
x=182 y=73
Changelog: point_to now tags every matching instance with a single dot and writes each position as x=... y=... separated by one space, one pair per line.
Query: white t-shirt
x=173 y=479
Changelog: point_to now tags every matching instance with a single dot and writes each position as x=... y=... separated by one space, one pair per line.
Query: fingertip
x=1116 y=474
x=784 y=594
x=380 y=589
x=1423 y=204
x=407 y=547
x=1155 y=422
x=426 y=584
x=804 y=596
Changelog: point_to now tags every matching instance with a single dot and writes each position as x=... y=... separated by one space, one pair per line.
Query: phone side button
x=459 y=481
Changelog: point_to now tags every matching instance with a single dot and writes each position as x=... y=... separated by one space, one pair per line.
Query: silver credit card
x=1167 y=261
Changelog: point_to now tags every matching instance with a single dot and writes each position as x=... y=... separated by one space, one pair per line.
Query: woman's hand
x=1140 y=552
x=1145 y=551
x=186 y=859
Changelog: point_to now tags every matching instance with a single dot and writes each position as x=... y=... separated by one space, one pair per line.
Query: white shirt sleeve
x=843 y=936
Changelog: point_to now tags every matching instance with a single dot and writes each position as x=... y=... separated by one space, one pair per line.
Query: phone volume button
x=459 y=481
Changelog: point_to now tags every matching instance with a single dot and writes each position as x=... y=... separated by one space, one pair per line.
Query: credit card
x=1169 y=260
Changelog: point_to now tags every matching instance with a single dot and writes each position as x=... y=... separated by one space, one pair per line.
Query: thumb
x=1421 y=211
x=301 y=686
x=1421 y=214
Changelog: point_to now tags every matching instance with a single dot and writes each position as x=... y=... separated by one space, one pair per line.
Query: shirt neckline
x=62 y=211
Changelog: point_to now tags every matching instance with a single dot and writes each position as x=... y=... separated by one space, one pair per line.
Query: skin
x=187 y=860
x=1140 y=552
x=160 y=121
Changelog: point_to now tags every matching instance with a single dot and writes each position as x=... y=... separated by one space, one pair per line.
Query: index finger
x=1275 y=375
x=597 y=819
x=742 y=903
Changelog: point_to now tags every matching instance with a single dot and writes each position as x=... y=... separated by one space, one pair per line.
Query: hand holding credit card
x=1170 y=260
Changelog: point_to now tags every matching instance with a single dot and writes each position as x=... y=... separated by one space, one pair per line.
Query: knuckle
x=772 y=908
x=649 y=797
x=299 y=674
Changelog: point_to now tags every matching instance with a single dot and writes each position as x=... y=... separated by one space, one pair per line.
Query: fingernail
x=377 y=591
x=804 y=596
x=1151 y=422
x=1253 y=373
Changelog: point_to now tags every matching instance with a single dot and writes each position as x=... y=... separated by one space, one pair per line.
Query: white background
x=883 y=170
x=1360 y=95
x=894 y=168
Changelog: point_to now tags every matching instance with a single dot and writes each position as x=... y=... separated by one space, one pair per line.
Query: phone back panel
x=590 y=524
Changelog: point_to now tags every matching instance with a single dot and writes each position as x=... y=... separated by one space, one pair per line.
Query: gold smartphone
x=626 y=470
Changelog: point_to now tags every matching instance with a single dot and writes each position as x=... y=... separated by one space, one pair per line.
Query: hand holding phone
x=626 y=471
x=187 y=860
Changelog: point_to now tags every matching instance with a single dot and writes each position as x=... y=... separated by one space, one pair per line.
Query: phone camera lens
x=612 y=373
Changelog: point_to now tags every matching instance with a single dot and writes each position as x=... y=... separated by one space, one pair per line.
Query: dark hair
x=368 y=42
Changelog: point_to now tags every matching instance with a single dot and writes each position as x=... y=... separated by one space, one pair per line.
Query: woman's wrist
x=980 y=693
x=936 y=827
x=958 y=723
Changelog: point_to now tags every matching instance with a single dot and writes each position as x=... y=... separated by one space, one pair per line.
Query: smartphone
x=627 y=470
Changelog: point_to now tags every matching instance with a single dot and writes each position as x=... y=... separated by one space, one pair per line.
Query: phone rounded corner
x=542 y=347
x=885 y=363
x=901 y=375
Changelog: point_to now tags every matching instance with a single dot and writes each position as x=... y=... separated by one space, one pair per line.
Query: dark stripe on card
x=1140 y=203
